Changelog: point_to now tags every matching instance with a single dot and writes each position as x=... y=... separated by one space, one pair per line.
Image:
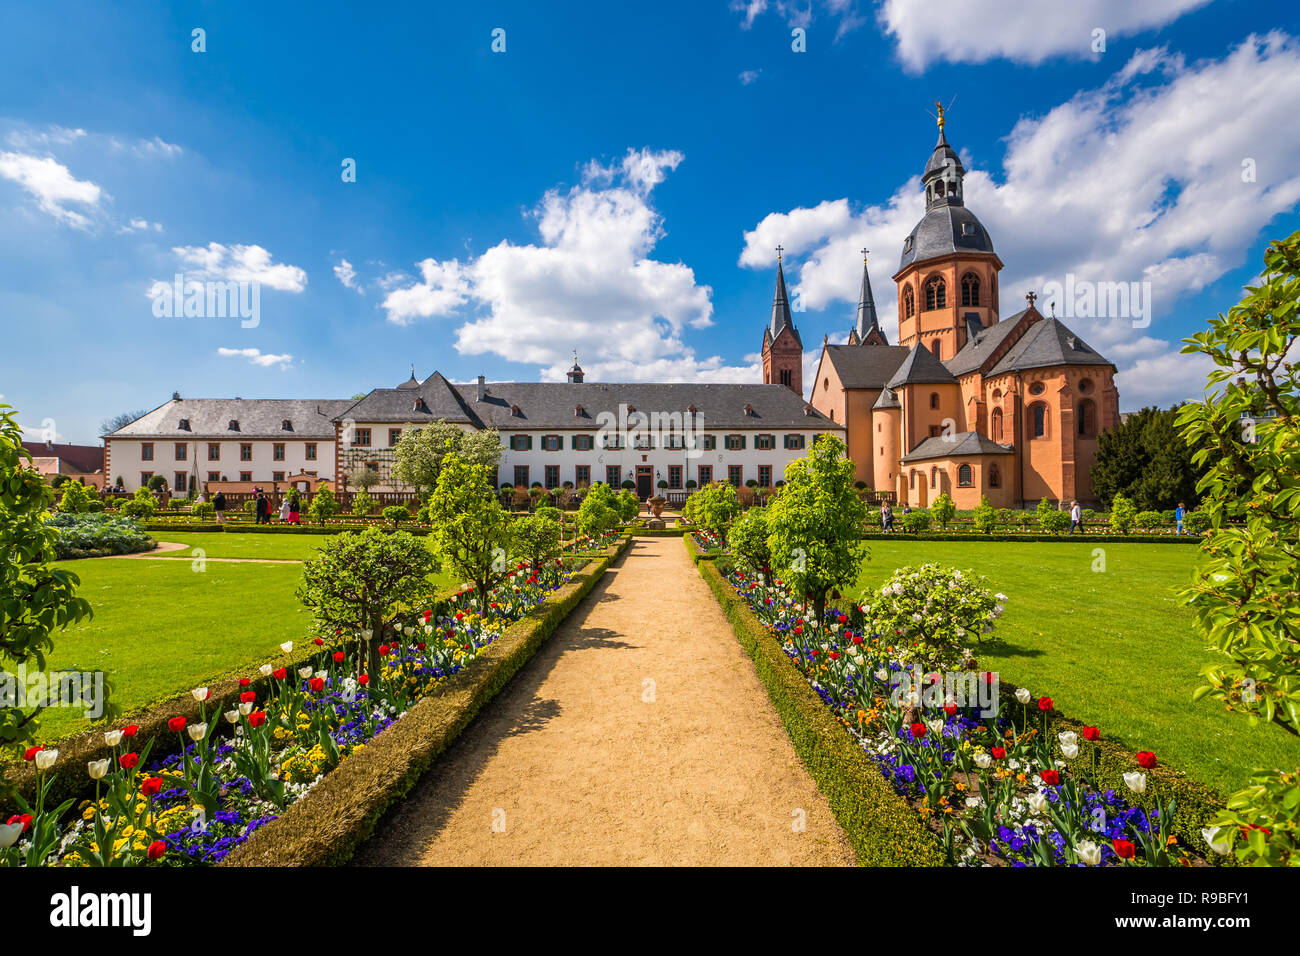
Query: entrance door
x=644 y=481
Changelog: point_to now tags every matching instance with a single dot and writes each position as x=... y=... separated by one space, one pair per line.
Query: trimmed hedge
x=327 y=825
x=1011 y=536
x=694 y=551
x=885 y=829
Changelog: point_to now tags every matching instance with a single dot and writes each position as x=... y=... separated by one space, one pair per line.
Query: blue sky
x=613 y=182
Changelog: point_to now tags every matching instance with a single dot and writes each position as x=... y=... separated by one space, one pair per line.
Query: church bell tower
x=782 y=347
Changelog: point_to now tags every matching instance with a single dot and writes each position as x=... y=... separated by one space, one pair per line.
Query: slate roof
x=887 y=399
x=942 y=232
x=956 y=446
x=939 y=159
x=781 y=307
x=429 y=401
x=920 y=367
x=1045 y=343
x=86 y=458
x=553 y=404
x=867 y=319
x=865 y=366
x=977 y=350
x=257 y=417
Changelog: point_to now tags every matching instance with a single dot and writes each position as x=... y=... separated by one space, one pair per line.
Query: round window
x=1036 y=388
x=1085 y=386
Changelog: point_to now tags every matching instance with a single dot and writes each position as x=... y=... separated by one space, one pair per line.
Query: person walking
x=294 y=511
x=284 y=511
x=261 y=509
x=1179 y=513
x=1076 y=517
x=219 y=506
x=886 y=517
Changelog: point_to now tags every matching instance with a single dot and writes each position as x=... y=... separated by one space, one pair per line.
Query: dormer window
x=907 y=244
x=286 y=426
x=232 y=425
x=749 y=410
x=579 y=411
x=631 y=408
x=514 y=410
x=419 y=405
x=184 y=425
x=692 y=409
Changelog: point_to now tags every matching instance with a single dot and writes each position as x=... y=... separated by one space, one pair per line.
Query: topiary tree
x=1245 y=592
x=536 y=538
x=715 y=506
x=470 y=530
x=748 y=539
x=323 y=505
x=157 y=483
x=361 y=581
x=38 y=598
x=943 y=510
x=1122 y=515
x=599 y=510
x=396 y=514
x=816 y=524
x=985 y=516
x=628 y=506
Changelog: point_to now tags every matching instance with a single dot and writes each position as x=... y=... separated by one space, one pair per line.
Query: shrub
x=748 y=539
x=915 y=522
x=142 y=504
x=1055 y=522
x=362 y=504
x=203 y=510
x=599 y=510
x=76 y=498
x=323 y=505
x=985 y=517
x=943 y=510
x=938 y=611
x=1196 y=522
x=628 y=505
x=396 y=514
x=1006 y=517
x=535 y=538
x=1122 y=515
x=1150 y=519
x=157 y=483
x=91 y=535
x=714 y=506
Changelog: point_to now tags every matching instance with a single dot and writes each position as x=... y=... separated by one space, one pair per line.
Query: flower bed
x=996 y=782
x=197 y=804
x=97 y=535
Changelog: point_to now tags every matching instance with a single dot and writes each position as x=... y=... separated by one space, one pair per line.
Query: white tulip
x=983 y=761
x=1069 y=751
x=428 y=629
x=287 y=647
x=397 y=628
x=246 y=708
x=1137 y=782
x=1088 y=852
x=304 y=672
x=45 y=759
x=9 y=834
x=1023 y=695
x=1211 y=838
x=200 y=694
x=1068 y=738
x=113 y=738
x=97 y=768
x=1037 y=803
x=936 y=726
x=232 y=716
x=266 y=670
x=197 y=731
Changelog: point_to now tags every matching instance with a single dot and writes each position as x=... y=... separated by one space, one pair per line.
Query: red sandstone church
x=967 y=402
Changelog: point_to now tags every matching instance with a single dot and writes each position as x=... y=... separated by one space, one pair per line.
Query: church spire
x=780 y=301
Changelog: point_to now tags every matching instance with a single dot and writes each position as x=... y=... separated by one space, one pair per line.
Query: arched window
x=934 y=347
x=995 y=478
x=1087 y=418
x=934 y=399
x=965 y=476
x=970 y=289
x=997 y=424
x=911 y=479
x=1038 y=420
x=936 y=294
x=909 y=303
x=934 y=477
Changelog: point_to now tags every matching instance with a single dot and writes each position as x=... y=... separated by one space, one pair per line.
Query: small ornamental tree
x=76 y=498
x=396 y=514
x=535 y=538
x=816 y=524
x=1245 y=592
x=1054 y=522
x=599 y=511
x=361 y=580
x=36 y=597
x=628 y=505
x=1122 y=515
x=470 y=530
x=943 y=510
x=936 y=612
x=142 y=504
x=985 y=516
x=323 y=505
x=748 y=540
x=362 y=504
x=419 y=453
x=715 y=506
x=1043 y=510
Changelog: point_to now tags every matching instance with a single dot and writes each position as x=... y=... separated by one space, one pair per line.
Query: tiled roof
x=257 y=418
x=555 y=404
x=85 y=458
x=956 y=446
x=432 y=400
x=978 y=348
x=921 y=368
x=887 y=399
x=865 y=366
x=1047 y=343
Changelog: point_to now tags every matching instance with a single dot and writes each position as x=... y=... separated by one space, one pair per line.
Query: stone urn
x=657 y=505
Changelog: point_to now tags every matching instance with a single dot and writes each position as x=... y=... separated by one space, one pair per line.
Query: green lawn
x=1112 y=648
x=296 y=547
x=161 y=627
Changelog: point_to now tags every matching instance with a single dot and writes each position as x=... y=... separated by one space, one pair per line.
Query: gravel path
x=639 y=734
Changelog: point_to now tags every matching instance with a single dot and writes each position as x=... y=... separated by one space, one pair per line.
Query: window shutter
x=743 y=439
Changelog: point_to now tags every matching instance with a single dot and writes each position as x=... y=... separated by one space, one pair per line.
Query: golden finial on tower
x=864 y=256
x=779 y=250
x=939 y=106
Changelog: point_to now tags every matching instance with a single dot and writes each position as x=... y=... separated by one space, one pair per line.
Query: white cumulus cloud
x=53 y=186
x=239 y=263
x=257 y=357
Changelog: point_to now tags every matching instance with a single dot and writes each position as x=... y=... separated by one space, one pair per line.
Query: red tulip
x=844 y=619
x=1044 y=703
x=244 y=682
x=317 y=684
x=280 y=673
x=857 y=638
x=1091 y=733
x=835 y=655
x=25 y=819
x=128 y=761
x=318 y=642
x=1146 y=759
x=798 y=628
x=918 y=730
x=156 y=850
x=338 y=657
x=383 y=649
x=950 y=708
x=998 y=753
x=363 y=679
x=1124 y=849
x=32 y=752
x=1050 y=777
x=151 y=786
x=257 y=718
x=130 y=730
x=176 y=724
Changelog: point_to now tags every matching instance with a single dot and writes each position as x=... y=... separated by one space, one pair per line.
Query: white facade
x=134 y=460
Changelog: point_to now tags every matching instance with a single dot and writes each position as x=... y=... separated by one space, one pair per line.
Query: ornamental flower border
x=995 y=789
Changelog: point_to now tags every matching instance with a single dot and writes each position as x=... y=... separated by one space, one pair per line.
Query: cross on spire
x=779 y=250
x=864 y=256
x=1030 y=297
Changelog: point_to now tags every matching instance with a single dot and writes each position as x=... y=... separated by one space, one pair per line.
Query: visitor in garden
x=294 y=509
x=1076 y=517
x=219 y=506
x=263 y=509
x=284 y=511
x=1179 y=513
x=886 y=517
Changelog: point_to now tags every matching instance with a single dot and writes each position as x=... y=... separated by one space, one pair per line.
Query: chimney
x=482 y=388
x=176 y=396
